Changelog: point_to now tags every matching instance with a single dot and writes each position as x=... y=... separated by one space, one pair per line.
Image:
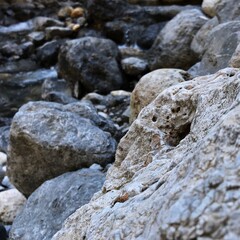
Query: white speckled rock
x=176 y=175
x=151 y=84
x=11 y=202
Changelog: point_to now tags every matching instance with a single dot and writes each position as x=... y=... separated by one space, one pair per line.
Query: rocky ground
x=119 y=119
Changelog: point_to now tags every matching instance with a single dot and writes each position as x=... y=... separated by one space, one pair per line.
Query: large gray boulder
x=171 y=48
x=47 y=140
x=176 y=174
x=90 y=64
x=55 y=200
x=220 y=46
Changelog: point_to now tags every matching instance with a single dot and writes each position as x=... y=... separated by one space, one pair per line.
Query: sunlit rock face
x=176 y=170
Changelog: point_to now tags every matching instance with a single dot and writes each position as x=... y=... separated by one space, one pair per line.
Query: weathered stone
x=176 y=174
x=220 y=47
x=172 y=46
x=11 y=203
x=58 y=32
x=47 y=54
x=151 y=85
x=47 y=140
x=235 y=59
x=134 y=66
x=209 y=7
x=90 y=64
x=54 y=201
x=200 y=39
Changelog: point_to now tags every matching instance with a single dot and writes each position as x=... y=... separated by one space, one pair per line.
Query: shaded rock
x=47 y=55
x=188 y=191
x=151 y=85
x=220 y=47
x=62 y=196
x=134 y=66
x=28 y=86
x=200 y=39
x=106 y=10
x=90 y=64
x=40 y=23
x=3 y=159
x=149 y=35
x=172 y=46
x=3 y=232
x=58 y=32
x=37 y=38
x=228 y=10
x=11 y=203
x=48 y=140
x=4 y=138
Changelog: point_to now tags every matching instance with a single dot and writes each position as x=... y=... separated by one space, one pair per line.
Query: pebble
x=77 y=12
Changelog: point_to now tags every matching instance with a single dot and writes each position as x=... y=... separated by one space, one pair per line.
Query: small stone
x=134 y=66
x=37 y=38
x=3 y=158
x=65 y=12
x=96 y=167
x=77 y=12
x=11 y=202
x=58 y=32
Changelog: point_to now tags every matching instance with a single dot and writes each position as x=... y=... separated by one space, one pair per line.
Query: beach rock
x=11 y=203
x=221 y=45
x=90 y=64
x=151 y=85
x=62 y=196
x=47 y=140
x=183 y=183
x=171 y=48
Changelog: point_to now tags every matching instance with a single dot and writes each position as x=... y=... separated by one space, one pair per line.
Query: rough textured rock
x=172 y=46
x=235 y=59
x=220 y=45
x=176 y=175
x=42 y=217
x=152 y=84
x=11 y=203
x=134 y=66
x=47 y=140
x=198 y=43
x=90 y=64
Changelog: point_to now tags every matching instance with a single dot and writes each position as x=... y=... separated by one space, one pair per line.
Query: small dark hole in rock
x=154 y=118
x=231 y=74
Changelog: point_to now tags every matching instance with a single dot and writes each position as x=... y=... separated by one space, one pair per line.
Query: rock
x=200 y=39
x=77 y=12
x=2 y=174
x=28 y=86
x=6 y=183
x=228 y=10
x=149 y=34
x=11 y=49
x=90 y=64
x=4 y=138
x=209 y=7
x=62 y=196
x=220 y=47
x=47 y=54
x=107 y=10
x=37 y=38
x=58 y=32
x=49 y=140
x=188 y=190
x=235 y=59
x=151 y=85
x=3 y=159
x=41 y=23
x=65 y=12
x=3 y=233
x=134 y=66
x=172 y=46
x=11 y=203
